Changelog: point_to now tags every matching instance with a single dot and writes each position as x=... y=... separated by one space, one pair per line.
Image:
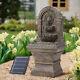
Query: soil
x=5 y=69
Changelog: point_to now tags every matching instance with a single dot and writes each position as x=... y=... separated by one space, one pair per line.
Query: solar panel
x=19 y=65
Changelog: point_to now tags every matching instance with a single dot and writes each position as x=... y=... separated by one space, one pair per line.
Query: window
x=60 y=4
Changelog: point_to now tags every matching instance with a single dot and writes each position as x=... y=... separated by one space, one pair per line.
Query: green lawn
x=10 y=32
x=27 y=14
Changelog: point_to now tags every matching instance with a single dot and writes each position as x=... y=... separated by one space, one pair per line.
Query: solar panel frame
x=20 y=65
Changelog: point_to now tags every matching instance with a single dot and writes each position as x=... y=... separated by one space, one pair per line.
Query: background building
x=67 y=7
x=29 y=5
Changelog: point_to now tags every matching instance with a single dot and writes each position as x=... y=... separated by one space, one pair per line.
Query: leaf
x=5 y=56
x=0 y=51
x=72 y=39
x=8 y=39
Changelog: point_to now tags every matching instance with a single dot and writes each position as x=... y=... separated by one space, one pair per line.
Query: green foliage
x=27 y=14
x=73 y=22
x=67 y=24
x=76 y=22
x=9 y=9
x=72 y=38
x=15 y=25
x=5 y=52
x=30 y=25
x=11 y=25
x=12 y=46
x=77 y=74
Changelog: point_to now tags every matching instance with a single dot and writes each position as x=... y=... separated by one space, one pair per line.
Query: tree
x=9 y=9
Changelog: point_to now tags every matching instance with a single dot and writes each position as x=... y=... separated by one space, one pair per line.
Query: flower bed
x=74 y=33
x=18 y=25
x=15 y=45
x=71 y=39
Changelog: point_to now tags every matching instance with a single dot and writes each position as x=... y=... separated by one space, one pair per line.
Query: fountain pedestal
x=49 y=46
x=47 y=59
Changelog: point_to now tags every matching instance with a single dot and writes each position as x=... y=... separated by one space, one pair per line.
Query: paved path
x=5 y=68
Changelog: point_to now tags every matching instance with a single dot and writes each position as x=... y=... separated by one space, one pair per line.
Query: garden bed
x=5 y=68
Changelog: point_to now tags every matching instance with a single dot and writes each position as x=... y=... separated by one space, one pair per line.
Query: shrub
x=9 y=9
x=67 y=24
x=15 y=25
x=11 y=25
x=30 y=25
x=73 y=22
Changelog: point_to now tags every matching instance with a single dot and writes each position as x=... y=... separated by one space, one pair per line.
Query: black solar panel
x=19 y=65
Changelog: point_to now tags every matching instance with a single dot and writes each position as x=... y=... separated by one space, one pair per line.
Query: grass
x=27 y=14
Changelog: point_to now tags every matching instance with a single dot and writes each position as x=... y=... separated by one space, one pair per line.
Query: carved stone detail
x=50 y=43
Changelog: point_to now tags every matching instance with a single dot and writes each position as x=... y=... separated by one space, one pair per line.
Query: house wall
x=73 y=8
x=40 y=4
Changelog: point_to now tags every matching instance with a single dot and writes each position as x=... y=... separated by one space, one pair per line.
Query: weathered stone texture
x=50 y=43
